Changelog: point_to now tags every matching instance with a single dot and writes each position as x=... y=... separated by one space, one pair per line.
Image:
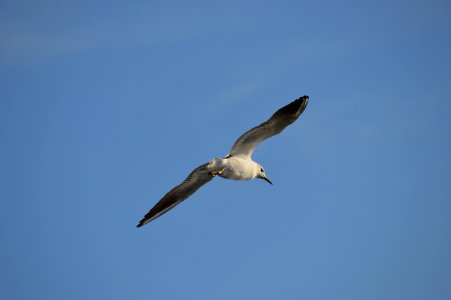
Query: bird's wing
x=245 y=144
x=192 y=183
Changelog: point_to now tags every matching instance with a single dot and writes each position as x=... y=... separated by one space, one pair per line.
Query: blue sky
x=105 y=107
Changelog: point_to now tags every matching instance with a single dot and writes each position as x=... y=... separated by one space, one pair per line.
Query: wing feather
x=246 y=143
x=191 y=184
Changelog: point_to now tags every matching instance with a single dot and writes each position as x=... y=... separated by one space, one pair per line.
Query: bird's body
x=236 y=168
x=236 y=165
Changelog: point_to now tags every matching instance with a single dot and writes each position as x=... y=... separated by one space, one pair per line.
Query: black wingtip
x=141 y=223
x=303 y=99
x=295 y=108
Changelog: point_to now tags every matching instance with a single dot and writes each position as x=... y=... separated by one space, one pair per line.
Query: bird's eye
x=261 y=169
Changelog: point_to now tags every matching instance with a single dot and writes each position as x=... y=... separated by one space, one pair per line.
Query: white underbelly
x=239 y=169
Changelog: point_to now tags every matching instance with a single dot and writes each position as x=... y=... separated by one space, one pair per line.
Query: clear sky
x=106 y=106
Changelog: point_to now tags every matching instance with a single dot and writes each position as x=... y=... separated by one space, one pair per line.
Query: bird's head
x=262 y=175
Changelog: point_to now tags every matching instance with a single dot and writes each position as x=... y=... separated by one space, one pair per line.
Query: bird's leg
x=216 y=173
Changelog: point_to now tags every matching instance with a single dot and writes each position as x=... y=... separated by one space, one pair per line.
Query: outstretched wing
x=192 y=183
x=245 y=144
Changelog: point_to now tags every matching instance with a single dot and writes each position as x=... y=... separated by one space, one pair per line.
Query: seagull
x=236 y=165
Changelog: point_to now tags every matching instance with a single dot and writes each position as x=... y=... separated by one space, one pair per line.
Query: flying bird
x=237 y=164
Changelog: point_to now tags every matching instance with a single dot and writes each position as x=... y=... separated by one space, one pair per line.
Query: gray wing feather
x=245 y=144
x=191 y=184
